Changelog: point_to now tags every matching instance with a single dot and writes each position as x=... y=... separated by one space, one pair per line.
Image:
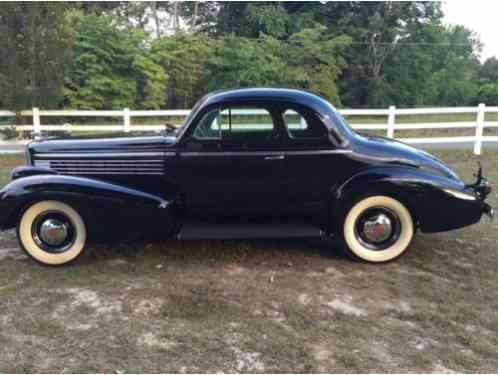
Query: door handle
x=275 y=157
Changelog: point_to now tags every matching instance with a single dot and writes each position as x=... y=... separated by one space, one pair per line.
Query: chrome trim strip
x=102 y=160
x=460 y=195
x=105 y=169
x=101 y=154
x=115 y=173
x=103 y=164
x=317 y=152
x=97 y=165
x=265 y=153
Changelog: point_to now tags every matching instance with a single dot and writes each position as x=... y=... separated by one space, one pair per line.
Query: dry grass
x=7 y=163
x=255 y=306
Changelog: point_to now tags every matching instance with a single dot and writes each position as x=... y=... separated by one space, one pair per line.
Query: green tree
x=456 y=70
x=409 y=74
x=112 y=67
x=488 y=94
x=310 y=59
x=377 y=28
x=242 y=62
x=488 y=72
x=315 y=60
x=184 y=57
x=34 y=51
x=375 y=31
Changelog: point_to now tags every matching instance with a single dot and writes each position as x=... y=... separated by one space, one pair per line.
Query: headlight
x=460 y=195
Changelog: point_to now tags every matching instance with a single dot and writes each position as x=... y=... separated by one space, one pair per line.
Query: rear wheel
x=52 y=232
x=377 y=229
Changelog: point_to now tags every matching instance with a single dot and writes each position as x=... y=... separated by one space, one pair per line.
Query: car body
x=297 y=170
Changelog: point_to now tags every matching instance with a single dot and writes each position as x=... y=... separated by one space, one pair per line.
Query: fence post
x=481 y=110
x=36 y=132
x=126 y=118
x=391 y=121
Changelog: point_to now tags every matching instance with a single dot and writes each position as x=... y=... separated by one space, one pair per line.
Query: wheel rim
x=377 y=228
x=53 y=232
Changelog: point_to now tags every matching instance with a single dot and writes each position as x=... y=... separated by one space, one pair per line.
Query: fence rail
x=127 y=115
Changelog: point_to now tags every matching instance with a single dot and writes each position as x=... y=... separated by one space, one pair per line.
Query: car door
x=313 y=164
x=232 y=163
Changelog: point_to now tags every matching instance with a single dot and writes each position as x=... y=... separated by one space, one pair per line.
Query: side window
x=304 y=124
x=209 y=126
x=246 y=123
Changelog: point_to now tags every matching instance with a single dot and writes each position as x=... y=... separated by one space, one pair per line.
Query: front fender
x=108 y=209
x=424 y=194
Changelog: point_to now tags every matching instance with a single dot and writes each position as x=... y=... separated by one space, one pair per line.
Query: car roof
x=285 y=95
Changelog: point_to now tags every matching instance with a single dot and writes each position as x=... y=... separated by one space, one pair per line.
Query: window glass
x=295 y=122
x=303 y=124
x=246 y=122
x=209 y=126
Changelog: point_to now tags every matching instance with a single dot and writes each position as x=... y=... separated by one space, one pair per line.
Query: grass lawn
x=256 y=306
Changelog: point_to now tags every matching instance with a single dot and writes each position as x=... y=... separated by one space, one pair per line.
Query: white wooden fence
x=126 y=115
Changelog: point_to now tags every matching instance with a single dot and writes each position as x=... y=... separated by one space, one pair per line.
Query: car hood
x=385 y=150
x=120 y=143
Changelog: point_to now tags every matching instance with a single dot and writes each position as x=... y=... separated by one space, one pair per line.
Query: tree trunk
x=32 y=58
x=156 y=20
x=176 y=19
x=194 y=16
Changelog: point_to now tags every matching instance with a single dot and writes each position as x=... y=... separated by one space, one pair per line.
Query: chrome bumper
x=482 y=188
x=489 y=211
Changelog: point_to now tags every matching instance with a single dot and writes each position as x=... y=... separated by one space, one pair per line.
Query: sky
x=478 y=15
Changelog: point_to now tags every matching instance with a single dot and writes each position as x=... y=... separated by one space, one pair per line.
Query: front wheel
x=52 y=232
x=377 y=229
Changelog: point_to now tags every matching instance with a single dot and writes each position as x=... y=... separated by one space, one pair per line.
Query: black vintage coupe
x=296 y=169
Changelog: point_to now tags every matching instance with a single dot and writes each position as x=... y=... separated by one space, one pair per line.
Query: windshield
x=189 y=117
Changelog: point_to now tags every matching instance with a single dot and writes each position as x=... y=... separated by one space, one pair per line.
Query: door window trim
x=298 y=109
x=273 y=110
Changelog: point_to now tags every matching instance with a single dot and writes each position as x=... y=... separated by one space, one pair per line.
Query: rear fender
x=419 y=191
x=108 y=209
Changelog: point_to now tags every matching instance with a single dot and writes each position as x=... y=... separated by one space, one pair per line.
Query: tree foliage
x=488 y=72
x=183 y=56
x=112 y=67
x=34 y=50
x=96 y=55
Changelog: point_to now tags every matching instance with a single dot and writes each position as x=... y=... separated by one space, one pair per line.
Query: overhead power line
x=442 y=44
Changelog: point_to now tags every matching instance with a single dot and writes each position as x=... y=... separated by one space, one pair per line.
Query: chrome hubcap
x=53 y=232
x=377 y=228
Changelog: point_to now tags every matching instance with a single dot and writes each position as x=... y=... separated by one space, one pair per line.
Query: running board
x=198 y=231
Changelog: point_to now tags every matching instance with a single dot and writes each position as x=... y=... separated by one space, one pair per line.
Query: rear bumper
x=488 y=211
x=456 y=207
x=482 y=188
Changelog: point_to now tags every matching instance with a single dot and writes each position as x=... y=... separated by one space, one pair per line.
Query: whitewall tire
x=52 y=232
x=377 y=229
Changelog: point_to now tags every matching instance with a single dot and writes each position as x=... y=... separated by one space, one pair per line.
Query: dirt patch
x=246 y=361
x=152 y=340
x=84 y=309
x=344 y=304
x=12 y=253
x=440 y=369
x=148 y=306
